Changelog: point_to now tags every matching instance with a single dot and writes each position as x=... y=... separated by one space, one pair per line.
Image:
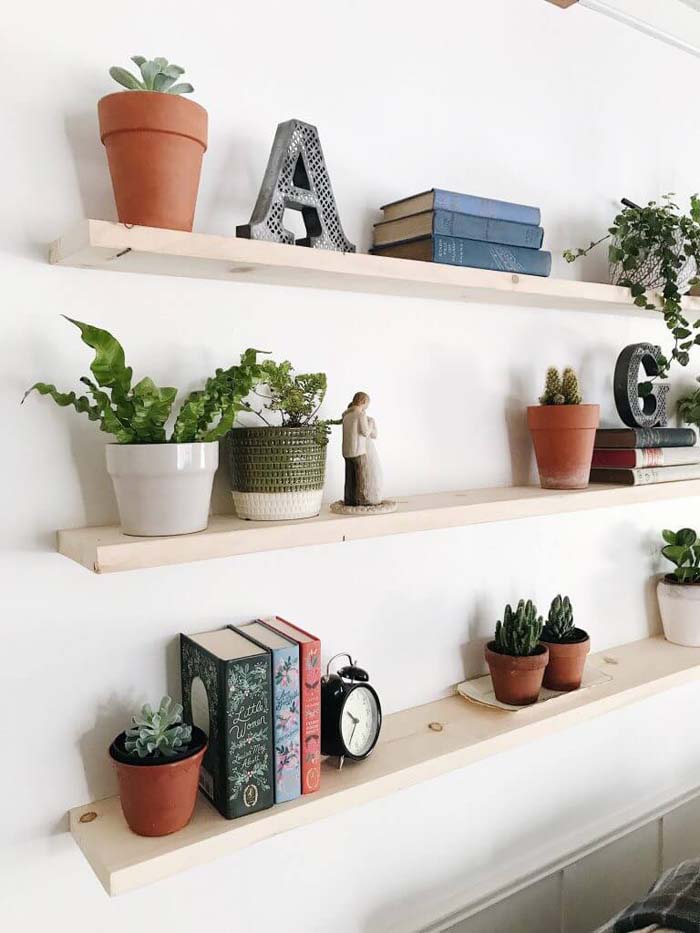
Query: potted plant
x=568 y=647
x=158 y=759
x=278 y=471
x=563 y=432
x=656 y=247
x=516 y=657
x=163 y=485
x=679 y=592
x=155 y=140
x=689 y=407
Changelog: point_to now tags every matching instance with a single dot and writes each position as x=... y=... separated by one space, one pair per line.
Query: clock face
x=360 y=721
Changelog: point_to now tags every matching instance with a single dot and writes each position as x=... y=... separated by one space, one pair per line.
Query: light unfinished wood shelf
x=408 y=752
x=105 y=549
x=101 y=244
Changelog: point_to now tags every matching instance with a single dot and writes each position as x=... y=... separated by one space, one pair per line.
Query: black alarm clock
x=351 y=714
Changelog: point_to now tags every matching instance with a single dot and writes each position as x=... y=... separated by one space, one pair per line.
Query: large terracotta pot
x=563 y=437
x=567 y=659
x=155 y=143
x=158 y=797
x=516 y=681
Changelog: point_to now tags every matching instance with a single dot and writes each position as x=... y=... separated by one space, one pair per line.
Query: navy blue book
x=438 y=200
x=467 y=226
x=476 y=254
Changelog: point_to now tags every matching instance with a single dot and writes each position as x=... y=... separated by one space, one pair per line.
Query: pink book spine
x=310 y=716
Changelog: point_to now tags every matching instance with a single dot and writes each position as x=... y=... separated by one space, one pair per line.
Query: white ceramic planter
x=679 y=604
x=163 y=489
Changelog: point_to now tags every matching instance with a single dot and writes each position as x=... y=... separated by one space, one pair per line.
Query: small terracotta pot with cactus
x=568 y=647
x=516 y=657
x=563 y=432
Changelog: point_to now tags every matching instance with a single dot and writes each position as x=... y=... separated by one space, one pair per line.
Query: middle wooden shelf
x=105 y=549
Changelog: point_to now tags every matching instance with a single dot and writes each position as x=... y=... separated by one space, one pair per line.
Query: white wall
x=509 y=98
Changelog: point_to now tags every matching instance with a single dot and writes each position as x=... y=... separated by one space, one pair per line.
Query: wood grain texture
x=564 y=4
x=105 y=549
x=408 y=753
x=100 y=244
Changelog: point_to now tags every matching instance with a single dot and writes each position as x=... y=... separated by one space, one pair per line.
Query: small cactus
x=160 y=733
x=519 y=632
x=560 y=621
x=561 y=390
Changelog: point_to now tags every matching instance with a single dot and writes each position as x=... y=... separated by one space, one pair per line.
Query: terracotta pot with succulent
x=278 y=471
x=563 y=432
x=155 y=140
x=679 y=592
x=158 y=759
x=163 y=485
x=516 y=657
x=568 y=647
x=656 y=248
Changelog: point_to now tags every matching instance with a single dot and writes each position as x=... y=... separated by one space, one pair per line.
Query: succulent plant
x=561 y=390
x=560 y=621
x=157 y=75
x=683 y=550
x=160 y=733
x=519 y=632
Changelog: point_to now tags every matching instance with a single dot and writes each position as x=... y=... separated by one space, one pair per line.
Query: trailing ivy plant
x=296 y=397
x=689 y=407
x=661 y=233
x=683 y=550
x=156 y=75
x=137 y=414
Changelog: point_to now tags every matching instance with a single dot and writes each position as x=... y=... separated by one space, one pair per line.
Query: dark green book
x=226 y=691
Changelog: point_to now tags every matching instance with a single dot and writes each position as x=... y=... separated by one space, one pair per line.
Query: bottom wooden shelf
x=408 y=753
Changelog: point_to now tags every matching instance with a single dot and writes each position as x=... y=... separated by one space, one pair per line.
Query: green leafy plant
x=689 y=407
x=295 y=397
x=657 y=237
x=519 y=632
x=560 y=621
x=683 y=550
x=158 y=734
x=156 y=75
x=137 y=414
x=561 y=390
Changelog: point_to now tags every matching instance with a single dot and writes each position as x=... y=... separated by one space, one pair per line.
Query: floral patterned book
x=226 y=691
x=310 y=690
x=285 y=706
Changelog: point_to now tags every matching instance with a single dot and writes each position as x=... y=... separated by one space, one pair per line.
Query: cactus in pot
x=568 y=647
x=158 y=759
x=516 y=657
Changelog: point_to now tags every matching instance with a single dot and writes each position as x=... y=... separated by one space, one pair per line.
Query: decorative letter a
x=296 y=177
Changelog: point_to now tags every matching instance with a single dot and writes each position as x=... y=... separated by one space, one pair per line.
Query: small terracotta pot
x=158 y=798
x=566 y=662
x=516 y=681
x=155 y=143
x=563 y=436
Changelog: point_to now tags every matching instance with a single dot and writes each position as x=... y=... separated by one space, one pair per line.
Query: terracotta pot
x=563 y=436
x=516 y=681
x=155 y=143
x=566 y=662
x=158 y=798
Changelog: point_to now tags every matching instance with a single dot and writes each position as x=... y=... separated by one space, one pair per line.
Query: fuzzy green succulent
x=160 y=733
x=560 y=621
x=561 y=389
x=519 y=632
x=157 y=75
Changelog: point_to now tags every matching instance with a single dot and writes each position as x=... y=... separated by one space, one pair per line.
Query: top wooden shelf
x=101 y=244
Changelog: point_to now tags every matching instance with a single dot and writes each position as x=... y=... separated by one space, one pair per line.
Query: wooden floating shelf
x=408 y=752
x=101 y=244
x=105 y=549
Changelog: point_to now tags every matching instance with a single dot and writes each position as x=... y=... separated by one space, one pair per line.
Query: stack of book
x=643 y=456
x=255 y=689
x=464 y=230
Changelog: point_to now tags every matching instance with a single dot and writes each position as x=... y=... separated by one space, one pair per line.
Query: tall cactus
x=560 y=621
x=519 y=632
x=561 y=389
x=569 y=387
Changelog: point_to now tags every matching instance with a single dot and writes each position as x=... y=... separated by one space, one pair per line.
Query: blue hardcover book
x=285 y=706
x=449 y=223
x=438 y=200
x=474 y=253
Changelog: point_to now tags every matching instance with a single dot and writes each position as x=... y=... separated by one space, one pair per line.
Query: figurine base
x=381 y=508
